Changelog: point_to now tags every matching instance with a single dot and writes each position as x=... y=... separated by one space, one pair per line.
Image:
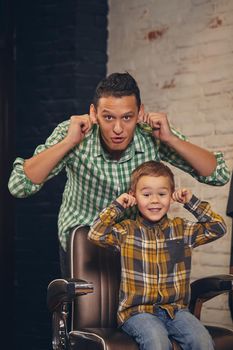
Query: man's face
x=117 y=118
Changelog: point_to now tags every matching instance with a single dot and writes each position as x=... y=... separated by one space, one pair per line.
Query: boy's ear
x=93 y=114
x=132 y=193
x=141 y=113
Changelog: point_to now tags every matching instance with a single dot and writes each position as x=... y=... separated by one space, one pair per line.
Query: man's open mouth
x=118 y=139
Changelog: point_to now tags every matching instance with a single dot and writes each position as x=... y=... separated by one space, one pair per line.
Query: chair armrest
x=62 y=291
x=207 y=288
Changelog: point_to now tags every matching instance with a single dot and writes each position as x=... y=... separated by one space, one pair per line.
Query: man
x=100 y=151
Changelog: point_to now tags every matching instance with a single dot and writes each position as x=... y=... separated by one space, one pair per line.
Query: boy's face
x=117 y=118
x=153 y=196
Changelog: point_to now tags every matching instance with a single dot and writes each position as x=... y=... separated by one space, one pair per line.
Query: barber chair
x=84 y=307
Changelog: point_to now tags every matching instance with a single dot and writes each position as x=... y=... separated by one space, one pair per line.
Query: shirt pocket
x=175 y=250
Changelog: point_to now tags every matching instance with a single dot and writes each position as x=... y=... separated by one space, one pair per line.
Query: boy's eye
x=146 y=194
x=127 y=117
x=162 y=194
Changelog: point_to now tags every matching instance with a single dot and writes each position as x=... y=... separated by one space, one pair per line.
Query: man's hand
x=159 y=124
x=126 y=200
x=78 y=128
x=182 y=195
x=38 y=167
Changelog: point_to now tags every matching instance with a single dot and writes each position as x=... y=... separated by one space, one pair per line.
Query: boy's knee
x=158 y=342
x=201 y=341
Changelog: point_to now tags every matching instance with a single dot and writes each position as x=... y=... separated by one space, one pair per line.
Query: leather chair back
x=102 y=267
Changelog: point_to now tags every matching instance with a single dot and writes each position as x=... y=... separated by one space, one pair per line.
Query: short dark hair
x=152 y=168
x=117 y=85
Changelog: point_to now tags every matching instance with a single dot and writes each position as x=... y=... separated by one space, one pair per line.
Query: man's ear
x=141 y=113
x=93 y=114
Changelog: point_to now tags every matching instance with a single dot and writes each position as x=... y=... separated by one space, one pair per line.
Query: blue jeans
x=153 y=331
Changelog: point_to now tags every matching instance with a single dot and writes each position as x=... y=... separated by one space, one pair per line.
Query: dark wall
x=6 y=156
x=60 y=57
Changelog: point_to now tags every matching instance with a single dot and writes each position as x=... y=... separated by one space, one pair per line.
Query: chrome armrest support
x=60 y=293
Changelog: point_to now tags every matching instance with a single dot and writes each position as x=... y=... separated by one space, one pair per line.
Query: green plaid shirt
x=94 y=180
x=155 y=257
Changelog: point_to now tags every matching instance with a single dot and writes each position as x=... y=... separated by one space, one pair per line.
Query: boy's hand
x=182 y=195
x=126 y=200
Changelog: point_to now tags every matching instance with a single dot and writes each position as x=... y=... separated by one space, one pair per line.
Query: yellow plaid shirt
x=155 y=257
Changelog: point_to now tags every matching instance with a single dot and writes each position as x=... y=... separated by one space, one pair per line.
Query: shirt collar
x=163 y=223
x=96 y=145
x=139 y=140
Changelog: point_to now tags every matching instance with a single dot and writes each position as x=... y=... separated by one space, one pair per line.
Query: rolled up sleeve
x=221 y=174
x=19 y=184
x=219 y=177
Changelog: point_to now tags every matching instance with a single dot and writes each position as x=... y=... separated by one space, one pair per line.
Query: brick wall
x=60 y=57
x=181 y=53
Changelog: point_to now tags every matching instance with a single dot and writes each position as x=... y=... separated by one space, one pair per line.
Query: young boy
x=156 y=258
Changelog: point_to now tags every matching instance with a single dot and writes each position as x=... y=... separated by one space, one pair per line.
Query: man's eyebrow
x=106 y=111
x=112 y=112
x=130 y=112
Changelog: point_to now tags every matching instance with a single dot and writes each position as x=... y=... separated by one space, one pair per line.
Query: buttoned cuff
x=29 y=186
x=110 y=214
x=192 y=204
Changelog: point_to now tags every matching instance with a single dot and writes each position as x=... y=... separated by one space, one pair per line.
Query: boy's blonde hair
x=151 y=168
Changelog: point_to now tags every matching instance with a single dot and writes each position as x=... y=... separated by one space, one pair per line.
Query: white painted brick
x=220 y=127
x=187 y=106
x=189 y=54
x=219 y=141
x=213 y=63
x=211 y=35
x=216 y=88
x=223 y=114
x=197 y=129
x=180 y=93
x=219 y=302
x=228 y=18
x=199 y=272
x=223 y=6
x=184 y=79
x=216 y=74
x=207 y=258
x=216 y=48
x=200 y=2
x=217 y=317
